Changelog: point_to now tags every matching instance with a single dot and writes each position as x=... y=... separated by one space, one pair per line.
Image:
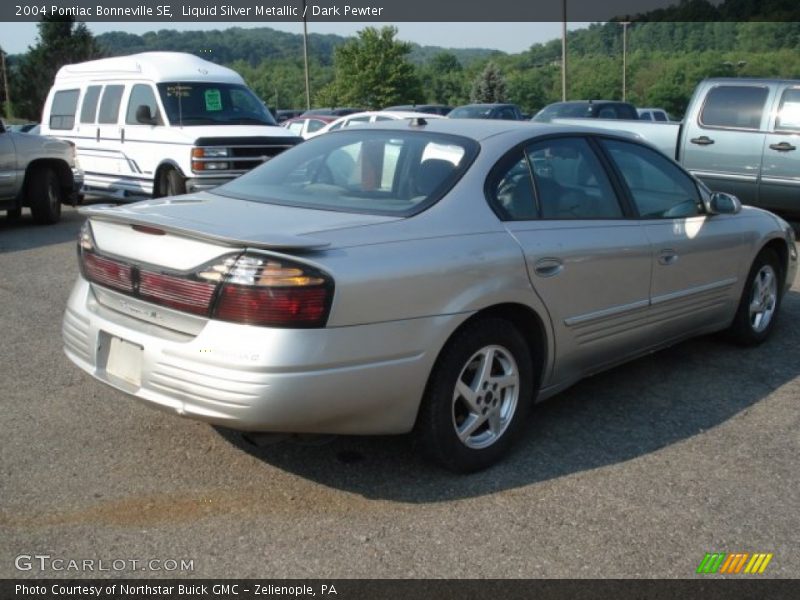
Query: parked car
x=285 y=114
x=36 y=172
x=509 y=112
x=330 y=112
x=739 y=136
x=654 y=114
x=433 y=109
x=587 y=109
x=306 y=126
x=371 y=116
x=160 y=123
x=436 y=278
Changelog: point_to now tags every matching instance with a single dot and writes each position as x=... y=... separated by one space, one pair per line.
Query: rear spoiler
x=200 y=231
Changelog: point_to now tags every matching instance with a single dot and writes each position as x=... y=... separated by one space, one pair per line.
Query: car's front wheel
x=478 y=396
x=761 y=299
x=44 y=195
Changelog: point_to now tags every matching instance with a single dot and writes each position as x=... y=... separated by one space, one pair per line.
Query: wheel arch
x=526 y=320
x=60 y=167
x=778 y=246
x=163 y=166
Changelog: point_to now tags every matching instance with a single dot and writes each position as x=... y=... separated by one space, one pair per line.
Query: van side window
x=734 y=106
x=62 y=111
x=109 y=105
x=89 y=106
x=789 y=112
x=142 y=94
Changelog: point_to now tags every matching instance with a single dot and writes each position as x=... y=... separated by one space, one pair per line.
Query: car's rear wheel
x=478 y=396
x=44 y=195
x=14 y=213
x=761 y=299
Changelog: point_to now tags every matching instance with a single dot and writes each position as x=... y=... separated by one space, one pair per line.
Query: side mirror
x=143 y=115
x=724 y=204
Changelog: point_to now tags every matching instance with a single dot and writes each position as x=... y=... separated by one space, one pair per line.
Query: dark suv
x=587 y=109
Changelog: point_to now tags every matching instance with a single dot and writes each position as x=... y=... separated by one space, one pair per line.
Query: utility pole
x=305 y=56
x=564 y=52
x=624 y=56
x=5 y=84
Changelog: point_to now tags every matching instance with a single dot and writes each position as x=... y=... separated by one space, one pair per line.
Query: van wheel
x=13 y=214
x=44 y=196
x=761 y=299
x=171 y=183
x=478 y=397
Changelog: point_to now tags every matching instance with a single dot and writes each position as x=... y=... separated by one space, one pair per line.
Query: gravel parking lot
x=637 y=472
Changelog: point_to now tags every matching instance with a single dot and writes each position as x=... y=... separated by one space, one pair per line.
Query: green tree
x=61 y=42
x=489 y=86
x=372 y=71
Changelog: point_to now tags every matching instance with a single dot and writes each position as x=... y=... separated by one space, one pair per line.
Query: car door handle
x=667 y=257
x=702 y=140
x=783 y=147
x=548 y=267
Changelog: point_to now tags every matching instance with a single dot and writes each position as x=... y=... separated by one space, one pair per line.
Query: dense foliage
x=665 y=61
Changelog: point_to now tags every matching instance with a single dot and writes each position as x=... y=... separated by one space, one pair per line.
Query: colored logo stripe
x=723 y=563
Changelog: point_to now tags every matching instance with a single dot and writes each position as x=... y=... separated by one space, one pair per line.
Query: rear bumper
x=365 y=379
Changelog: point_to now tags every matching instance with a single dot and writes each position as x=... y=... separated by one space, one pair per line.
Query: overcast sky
x=509 y=37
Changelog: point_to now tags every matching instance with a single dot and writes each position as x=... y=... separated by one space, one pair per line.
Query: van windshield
x=209 y=103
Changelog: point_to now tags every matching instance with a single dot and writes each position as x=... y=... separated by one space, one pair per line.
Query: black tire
x=170 y=183
x=44 y=196
x=760 y=301
x=13 y=214
x=444 y=410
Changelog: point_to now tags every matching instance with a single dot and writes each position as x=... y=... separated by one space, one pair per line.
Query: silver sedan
x=436 y=277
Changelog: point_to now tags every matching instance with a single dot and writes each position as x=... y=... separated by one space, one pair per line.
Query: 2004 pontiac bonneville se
x=436 y=277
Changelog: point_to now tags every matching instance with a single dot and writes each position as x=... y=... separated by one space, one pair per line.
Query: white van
x=160 y=124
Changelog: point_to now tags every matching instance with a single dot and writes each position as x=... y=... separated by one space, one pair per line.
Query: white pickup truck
x=740 y=136
x=37 y=172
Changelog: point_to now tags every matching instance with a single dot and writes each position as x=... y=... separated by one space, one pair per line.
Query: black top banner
x=386 y=10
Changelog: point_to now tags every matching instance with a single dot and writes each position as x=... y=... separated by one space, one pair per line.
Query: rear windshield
x=196 y=103
x=360 y=171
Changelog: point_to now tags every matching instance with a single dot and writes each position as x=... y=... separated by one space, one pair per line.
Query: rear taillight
x=267 y=291
x=249 y=288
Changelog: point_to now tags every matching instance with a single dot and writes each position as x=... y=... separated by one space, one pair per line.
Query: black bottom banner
x=401 y=589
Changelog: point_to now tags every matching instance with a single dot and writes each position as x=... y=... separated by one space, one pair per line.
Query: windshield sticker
x=179 y=91
x=213 y=100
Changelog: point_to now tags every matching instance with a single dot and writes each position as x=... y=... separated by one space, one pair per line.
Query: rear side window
x=89 y=106
x=734 y=106
x=569 y=182
x=660 y=116
x=109 y=105
x=789 y=111
x=660 y=190
x=142 y=95
x=62 y=111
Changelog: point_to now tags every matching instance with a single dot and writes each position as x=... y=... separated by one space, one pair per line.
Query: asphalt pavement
x=637 y=472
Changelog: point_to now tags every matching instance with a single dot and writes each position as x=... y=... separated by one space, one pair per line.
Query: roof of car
x=483 y=129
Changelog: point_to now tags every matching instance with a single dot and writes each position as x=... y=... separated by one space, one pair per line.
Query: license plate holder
x=125 y=361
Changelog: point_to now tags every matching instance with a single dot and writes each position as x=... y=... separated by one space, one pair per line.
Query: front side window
x=789 y=111
x=109 y=105
x=734 y=106
x=360 y=171
x=142 y=95
x=200 y=103
x=62 y=111
x=659 y=188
